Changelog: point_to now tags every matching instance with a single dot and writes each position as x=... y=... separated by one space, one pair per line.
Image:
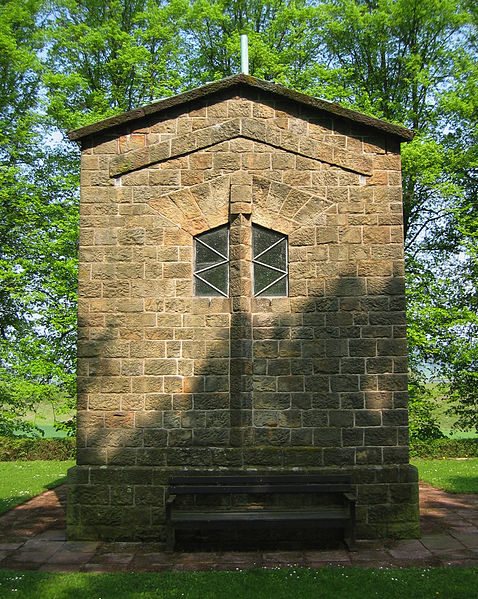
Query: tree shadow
x=296 y=384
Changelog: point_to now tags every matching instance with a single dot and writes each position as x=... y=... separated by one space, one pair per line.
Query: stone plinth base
x=126 y=503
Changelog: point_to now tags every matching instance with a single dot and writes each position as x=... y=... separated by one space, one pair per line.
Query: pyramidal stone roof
x=231 y=84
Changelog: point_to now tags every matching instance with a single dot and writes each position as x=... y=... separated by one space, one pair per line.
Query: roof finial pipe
x=244 y=55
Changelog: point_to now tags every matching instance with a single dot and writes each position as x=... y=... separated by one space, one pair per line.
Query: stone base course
x=33 y=537
x=127 y=503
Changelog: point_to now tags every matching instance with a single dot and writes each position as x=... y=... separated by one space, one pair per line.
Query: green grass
x=20 y=481
x=50 y=432
x=453 y=475
x=326 y=583
x=459 y=434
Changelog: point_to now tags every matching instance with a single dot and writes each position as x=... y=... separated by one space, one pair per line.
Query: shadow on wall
x=327 y=373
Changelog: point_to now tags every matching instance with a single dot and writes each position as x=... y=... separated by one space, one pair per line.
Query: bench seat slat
x=259 y=488
x=326 y=514
x=255 y=480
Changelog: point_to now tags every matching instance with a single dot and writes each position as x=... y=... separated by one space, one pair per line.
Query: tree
x=413 y=62
x=38 y=231
x=105 y=58
x=459 y=108
x=19 y=78
x=282 y=44
x=18 y=81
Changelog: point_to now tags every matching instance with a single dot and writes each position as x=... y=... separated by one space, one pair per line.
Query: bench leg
x=349 y=541
x=170 y=538
x=350 y=530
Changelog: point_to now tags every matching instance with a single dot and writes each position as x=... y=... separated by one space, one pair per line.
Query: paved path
x=32 y=537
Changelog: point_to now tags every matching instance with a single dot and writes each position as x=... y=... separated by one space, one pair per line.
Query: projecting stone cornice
x=249 y=128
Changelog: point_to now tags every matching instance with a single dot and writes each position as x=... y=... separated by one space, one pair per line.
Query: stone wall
x=171 y=383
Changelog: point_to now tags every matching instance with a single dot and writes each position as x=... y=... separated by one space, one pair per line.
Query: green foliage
x=38 y=274
x=464 y=389
x=108 y=57
x=20 y=77
x=444 y=448
x=18 y=81
x=38 y=230
x=423 y=423
x=391 y=57
x=20 y=481
x=460 y=109
x=282 y=37
x=13 y=449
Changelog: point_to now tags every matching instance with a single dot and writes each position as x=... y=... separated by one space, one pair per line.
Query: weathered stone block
x=303 y=456
x=271 y=436
x=381 y=436
x=395 y=455
x=90 y=494
x=231 y=457
x=327 y=437
x=339 y=456
x=263 y=456
x=352 y=437
x=368 y=455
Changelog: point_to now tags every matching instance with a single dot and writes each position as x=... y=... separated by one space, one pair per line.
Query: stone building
x=241 y=304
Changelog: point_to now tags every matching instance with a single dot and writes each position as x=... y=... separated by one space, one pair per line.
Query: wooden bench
x=337 y=512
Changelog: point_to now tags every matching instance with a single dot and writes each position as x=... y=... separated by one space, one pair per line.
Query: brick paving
x=33 y=537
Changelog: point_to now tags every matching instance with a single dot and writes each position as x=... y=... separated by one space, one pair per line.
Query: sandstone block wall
x=171 y=383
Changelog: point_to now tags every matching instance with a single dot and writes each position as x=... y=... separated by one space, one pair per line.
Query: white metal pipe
x=244 y=55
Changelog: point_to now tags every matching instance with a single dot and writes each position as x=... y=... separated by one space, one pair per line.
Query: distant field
x=44 y=418
x=459 y=434
x=447 y=421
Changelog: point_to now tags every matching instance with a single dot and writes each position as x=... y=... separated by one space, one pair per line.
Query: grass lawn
x=20 y=481
x=453 y=475
x=284 y=583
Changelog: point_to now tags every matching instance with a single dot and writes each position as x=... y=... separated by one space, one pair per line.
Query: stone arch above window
x=207 y=205
x=284 y=207
x=197 y=208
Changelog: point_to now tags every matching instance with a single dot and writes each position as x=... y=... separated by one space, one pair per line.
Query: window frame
x=285 y=272
x=225 y=260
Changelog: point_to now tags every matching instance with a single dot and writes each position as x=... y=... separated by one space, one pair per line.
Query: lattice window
x=270 y=262
x=211 y=262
